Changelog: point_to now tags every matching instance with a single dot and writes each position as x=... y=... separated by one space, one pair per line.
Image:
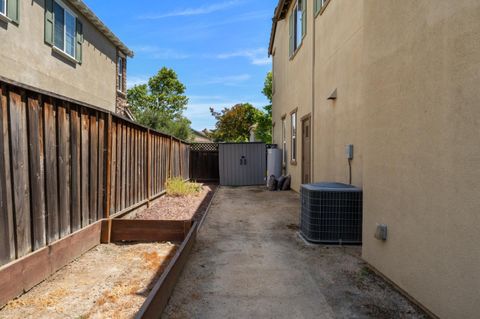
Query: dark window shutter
x=13 y=10
x=318 y=5
x=49 y=21
x=292 y=33
x=79 y=42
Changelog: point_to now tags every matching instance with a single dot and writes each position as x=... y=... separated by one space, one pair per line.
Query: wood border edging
x=158 y=298
x=25 y=273
x=204 y=217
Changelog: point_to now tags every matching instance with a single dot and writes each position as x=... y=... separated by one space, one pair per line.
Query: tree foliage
x=264 y=121
x=233 y=124
x=160 y=104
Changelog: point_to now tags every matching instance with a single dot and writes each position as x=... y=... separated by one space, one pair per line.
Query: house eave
x=280 y=14
x=93 y=19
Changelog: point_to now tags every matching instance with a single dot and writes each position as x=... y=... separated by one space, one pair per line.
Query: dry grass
x=177 y=187
x=49 y=300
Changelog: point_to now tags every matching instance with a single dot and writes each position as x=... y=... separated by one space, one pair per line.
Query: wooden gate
x=204 y=162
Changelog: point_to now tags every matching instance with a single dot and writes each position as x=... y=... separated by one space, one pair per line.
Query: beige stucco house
x=61 y=46
x=398 y=80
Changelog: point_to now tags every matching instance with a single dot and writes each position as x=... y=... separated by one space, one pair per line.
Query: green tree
x=233 y=124
x=160 y=104
x=264 y=119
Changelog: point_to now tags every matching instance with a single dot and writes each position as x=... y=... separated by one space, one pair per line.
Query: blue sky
x=217 y=47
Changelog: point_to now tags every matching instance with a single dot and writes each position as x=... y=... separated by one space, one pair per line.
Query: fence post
x=180 y=158
x=170 y=158
x=149 y=163
x=108 y=168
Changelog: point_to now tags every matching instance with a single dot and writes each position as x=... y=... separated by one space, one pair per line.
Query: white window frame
x=3 y=11
x=284 y=141
x=64 y=49
x=273 y=73
x=293 y=136
x=120 y=87
x=322 y=4
x=297 y=32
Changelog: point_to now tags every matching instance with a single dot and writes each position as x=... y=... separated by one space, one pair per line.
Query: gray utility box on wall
x=242 y=164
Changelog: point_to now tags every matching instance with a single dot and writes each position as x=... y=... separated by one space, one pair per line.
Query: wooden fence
x=65 y=165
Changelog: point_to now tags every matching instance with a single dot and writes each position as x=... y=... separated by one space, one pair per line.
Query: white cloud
x=256 y=56
x=228 y=79
x=136 y=80
x=193 y=11
x=161 y=53
x=199 y=113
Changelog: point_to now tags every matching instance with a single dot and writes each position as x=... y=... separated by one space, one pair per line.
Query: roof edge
x=92 y=18
x=279 y=14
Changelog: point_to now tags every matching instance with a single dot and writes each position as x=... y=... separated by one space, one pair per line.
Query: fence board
x=101 y=165
x=7 y=239
x=21 y=192
x=51 y=173
x=85 y=135
x=93 y=170
x=63 y=118
x=37 y=171
x=118 y=176
x=75 y=135
x=64 y=165
x=113 y=168
x=123 y=188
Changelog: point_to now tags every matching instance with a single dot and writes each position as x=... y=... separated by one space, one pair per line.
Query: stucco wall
x=24 y=57
x=422 y=159
x=338 y=66
x=407 y=76
x=293 y=89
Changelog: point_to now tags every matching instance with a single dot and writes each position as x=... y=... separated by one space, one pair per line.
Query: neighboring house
x=61 y=46
x=200 y=137
x=400 y=81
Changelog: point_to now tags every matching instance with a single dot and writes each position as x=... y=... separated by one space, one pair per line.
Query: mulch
x=180 y=208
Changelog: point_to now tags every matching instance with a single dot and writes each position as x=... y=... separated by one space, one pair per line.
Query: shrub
x=178 y=187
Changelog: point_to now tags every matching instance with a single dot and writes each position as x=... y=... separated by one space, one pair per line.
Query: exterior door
x=306 y=150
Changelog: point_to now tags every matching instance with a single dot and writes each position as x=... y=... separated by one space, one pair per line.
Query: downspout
x=312 y=125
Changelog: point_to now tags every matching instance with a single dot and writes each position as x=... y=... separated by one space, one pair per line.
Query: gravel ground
x=109 y=281
x=180 y=208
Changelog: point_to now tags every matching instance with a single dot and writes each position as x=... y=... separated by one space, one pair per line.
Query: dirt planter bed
x=109 y=281
x=179 y=208
x=130 y=276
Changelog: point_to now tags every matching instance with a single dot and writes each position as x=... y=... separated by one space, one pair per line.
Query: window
x=293 y=118
x=273 y=73
x=63 y=31
x=64 y=25
x=120 y=74
x=284 y=141
x=9 y=11
x=298 y=25
x=3 y=7
x=319 y=4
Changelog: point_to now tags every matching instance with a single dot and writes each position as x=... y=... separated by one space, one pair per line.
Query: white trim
x=293 y=136
x=64 y=54
x=64 y=6
x=64 y=50
x=4 y=13
x=5 y=18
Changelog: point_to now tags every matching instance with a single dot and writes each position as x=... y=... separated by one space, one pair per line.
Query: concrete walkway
x=249 y=262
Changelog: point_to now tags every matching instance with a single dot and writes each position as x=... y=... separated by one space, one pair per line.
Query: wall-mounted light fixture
x=333 y=96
